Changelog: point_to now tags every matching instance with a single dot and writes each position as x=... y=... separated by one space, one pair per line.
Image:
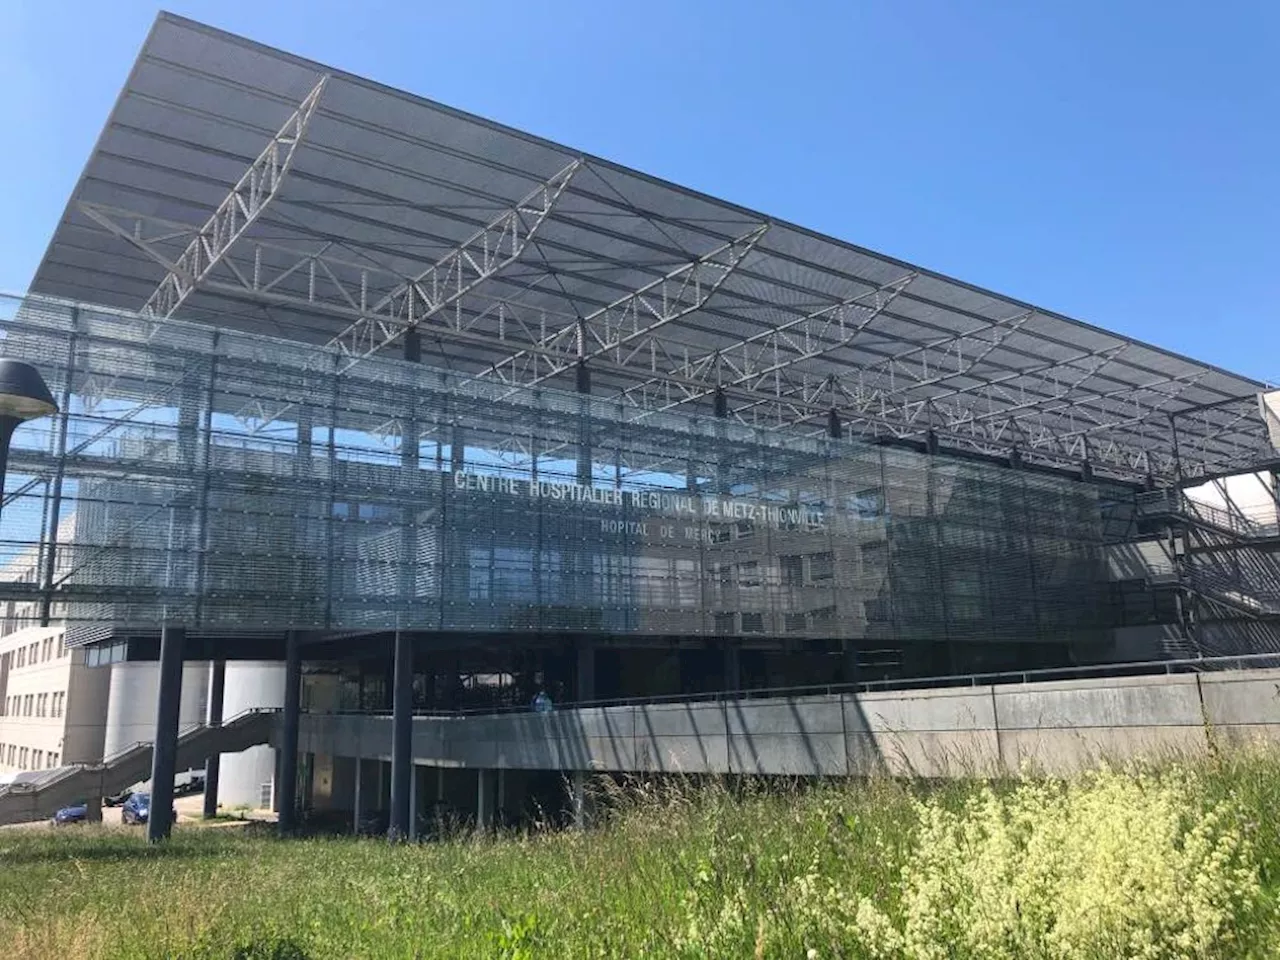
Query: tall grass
x=872 y=868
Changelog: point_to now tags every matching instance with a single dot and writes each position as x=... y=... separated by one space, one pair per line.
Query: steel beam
x=417 y=299
x=626 y=327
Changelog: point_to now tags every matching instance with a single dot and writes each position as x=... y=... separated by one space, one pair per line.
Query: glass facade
x=235 y=484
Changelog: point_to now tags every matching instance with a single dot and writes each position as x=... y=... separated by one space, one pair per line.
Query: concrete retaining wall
x=1054 y=727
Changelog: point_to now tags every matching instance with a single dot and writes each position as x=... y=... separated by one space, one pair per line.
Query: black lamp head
x=23 y=393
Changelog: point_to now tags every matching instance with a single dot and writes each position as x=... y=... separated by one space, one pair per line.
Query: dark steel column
x=401 y=737
x=582 y=384
x=165 y=745
x=585 y=675
x=287 y=775
x=213 y=763
x=54 y=519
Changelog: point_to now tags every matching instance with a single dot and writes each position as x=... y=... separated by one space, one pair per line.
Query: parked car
x=74 y=813
x=188 y=785
x=116 y=799
x=137 y=809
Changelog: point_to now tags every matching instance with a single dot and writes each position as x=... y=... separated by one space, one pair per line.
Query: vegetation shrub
x=1180 y=861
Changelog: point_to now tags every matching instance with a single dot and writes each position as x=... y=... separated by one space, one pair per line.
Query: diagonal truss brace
x=620 y=330
x=238 y=210
x=496 y=245
x=758 y=361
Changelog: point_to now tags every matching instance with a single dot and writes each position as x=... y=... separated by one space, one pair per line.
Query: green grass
x=677 y=871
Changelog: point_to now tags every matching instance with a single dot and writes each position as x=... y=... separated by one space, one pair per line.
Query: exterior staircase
x=38 y=799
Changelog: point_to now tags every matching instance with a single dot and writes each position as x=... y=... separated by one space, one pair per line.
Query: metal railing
x=59 y=774
x=1080 y=672
x=1254 y=524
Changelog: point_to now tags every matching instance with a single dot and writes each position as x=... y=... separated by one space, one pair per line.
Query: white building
x=53 y=708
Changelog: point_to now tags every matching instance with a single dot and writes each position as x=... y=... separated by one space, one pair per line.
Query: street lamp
x=23 y=396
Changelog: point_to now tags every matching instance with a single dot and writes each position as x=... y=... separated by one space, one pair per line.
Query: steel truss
x=414 y=301
x=627 y=328
x=246 y=201
x=958 y=387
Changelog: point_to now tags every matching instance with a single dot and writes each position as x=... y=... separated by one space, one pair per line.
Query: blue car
x=75 y=813
x=137 y=809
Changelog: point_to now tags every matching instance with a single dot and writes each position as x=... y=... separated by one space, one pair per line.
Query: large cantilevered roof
x=242 y=186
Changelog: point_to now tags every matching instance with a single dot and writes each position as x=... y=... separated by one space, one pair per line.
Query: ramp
x=37 y=800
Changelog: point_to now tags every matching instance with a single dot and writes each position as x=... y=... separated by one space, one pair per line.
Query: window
x=37 y=759
x=792 y=570
x=53 y=759
x=749 y=574
x=62 y=646
x=23 y=756
x=821 y=566
x=964 y=594
x=753 y=623
x=22 y=656
x=867 y=504
x=724 y=624
x=876 y=609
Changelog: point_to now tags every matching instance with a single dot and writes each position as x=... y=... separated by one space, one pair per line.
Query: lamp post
x=23 y=396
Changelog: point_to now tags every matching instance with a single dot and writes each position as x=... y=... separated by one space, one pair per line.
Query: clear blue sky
x=1117 y=162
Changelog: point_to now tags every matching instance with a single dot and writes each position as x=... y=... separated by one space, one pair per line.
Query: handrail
x=71 y=769
x=1040 y=674
x=1239 y=524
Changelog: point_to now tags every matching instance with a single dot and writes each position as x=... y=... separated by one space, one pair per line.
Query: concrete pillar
x=165 y=745
x=501 y=806
x=401 y=736
x=484 y=799
x=287 y=780
x=213 y=763
x=355 y=813
x=586 y=672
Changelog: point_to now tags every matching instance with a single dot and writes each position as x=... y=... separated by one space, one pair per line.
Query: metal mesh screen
x=238 y=483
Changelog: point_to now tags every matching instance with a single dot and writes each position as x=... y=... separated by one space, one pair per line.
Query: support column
x=583 y=386
x=287 y=779
x=585 y=677
x=721 y=408
x=165 y=745
x=732 y=666
x=401 y=736
x=500 y=807
x=850 y=662
x=484 y=800
x=213 y=763
x=413 y=800
x=355 y=813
